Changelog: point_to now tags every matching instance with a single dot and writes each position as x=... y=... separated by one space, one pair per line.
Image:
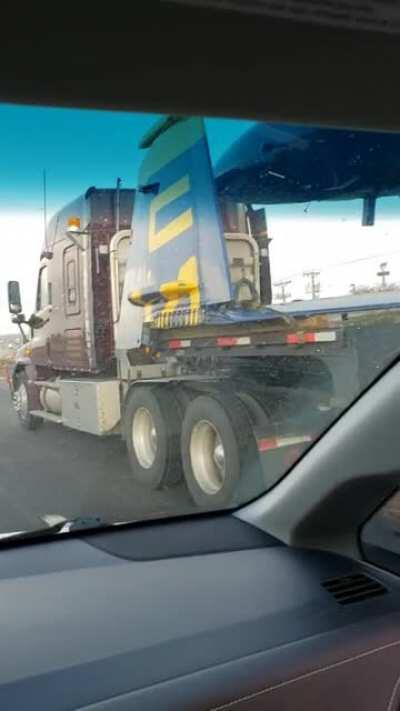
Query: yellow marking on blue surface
x=136 y=297
x=171 y=144
x=186 y=285
x=172 y=290
x=176 y=226
x=189 y=273
x=175 y=311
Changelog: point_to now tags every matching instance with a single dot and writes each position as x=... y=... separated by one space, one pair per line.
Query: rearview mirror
x=14 y=298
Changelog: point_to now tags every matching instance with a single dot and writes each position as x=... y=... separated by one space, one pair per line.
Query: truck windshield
x=192 y=302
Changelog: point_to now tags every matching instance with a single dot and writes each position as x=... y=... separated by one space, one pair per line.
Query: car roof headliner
x=201 y=60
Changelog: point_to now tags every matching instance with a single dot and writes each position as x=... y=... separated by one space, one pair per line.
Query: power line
x=345 y=263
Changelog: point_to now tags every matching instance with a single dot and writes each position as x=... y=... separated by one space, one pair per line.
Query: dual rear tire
x=152 y=427
x=207 y=439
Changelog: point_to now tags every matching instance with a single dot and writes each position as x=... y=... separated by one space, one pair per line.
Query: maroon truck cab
x=74 y=300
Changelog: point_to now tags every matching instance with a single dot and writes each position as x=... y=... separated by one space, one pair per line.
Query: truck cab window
x=71 y=281
x=44 y=290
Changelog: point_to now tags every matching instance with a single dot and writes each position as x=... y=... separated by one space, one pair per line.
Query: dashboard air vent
x=353 y=588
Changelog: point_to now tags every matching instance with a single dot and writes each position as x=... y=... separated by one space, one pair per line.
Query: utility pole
x=383 y=273
x=314 y=286
x=283 y=295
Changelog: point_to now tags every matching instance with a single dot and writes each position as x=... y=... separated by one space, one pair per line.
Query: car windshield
x=187 y=305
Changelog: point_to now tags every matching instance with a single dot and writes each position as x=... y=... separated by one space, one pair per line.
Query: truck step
x=50 y=416
x=48 y=384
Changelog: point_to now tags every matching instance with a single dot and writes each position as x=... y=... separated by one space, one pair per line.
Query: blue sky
x=78 y=148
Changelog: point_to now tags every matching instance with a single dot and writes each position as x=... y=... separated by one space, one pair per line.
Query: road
x=58 y=471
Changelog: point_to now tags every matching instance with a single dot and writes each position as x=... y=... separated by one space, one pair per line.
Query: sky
x=313 y=237
x=80 y=148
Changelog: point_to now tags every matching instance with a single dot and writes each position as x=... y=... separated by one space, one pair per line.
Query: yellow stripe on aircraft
x=176 y=226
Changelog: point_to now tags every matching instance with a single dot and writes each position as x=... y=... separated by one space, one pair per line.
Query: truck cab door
x=66 y=328
x=41 y=318
x=72 y=312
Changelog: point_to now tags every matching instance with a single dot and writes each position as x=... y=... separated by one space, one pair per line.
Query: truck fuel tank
x=90 y=405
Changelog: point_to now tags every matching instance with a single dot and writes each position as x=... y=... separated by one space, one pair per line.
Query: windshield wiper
x=59 y=525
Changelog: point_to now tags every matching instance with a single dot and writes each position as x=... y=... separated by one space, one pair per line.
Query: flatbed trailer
x=294 y=375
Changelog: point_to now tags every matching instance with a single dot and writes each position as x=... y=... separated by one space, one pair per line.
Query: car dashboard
x=208 y=613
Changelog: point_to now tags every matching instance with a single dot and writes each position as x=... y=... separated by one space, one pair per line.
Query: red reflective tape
x=320 y=337
x=177 y=343
x=266 y=444
x=226 y=341
x=311 y=337
x=233 y=341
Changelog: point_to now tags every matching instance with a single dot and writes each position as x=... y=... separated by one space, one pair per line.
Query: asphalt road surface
x=58 y=471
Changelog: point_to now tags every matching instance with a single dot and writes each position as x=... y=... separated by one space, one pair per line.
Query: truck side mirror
x=14 y=297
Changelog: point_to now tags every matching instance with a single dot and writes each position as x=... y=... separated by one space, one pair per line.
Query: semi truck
x=154 y=318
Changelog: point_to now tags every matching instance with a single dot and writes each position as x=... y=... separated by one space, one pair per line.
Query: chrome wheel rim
x=21 y=401
x=144 y=437
x=207 y=457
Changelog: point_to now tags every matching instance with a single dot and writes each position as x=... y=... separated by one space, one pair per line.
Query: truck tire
x=255 y=408
x=21 y=401
x=152 y=424
x=219 y=453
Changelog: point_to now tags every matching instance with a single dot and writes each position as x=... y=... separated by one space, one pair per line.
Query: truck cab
x=73 y=320
x=82 y=272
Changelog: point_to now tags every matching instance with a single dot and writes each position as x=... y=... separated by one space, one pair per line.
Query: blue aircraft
x=272 y=164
